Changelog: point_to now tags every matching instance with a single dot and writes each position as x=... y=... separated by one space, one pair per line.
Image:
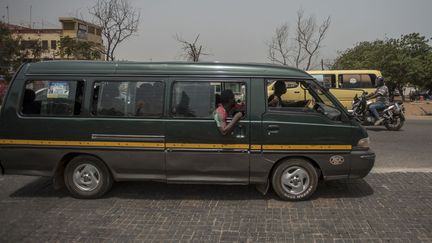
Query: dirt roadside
x=418 y=109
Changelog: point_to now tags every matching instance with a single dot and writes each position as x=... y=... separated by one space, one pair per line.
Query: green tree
x=10 y=52
x=402 y=61
x=76 y=49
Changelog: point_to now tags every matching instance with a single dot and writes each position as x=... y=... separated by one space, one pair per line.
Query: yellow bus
x=345 y=84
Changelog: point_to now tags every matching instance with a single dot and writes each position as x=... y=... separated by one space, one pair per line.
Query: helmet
x=379 y=81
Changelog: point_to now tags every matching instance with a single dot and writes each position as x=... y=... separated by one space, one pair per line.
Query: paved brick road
x=395 y=207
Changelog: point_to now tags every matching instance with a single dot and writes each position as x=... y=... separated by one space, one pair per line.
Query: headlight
x=363 y=143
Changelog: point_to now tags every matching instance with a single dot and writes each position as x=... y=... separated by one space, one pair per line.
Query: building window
x=44 y=44
x=28 y=44
x=92 y=30
x=52 y=98
x=98 y=32
x=128 y=99
x=68 y=25
x=53 y=44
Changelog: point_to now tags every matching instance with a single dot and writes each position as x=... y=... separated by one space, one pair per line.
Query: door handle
x=296 y=92
x=241 y=131
x=272 y=129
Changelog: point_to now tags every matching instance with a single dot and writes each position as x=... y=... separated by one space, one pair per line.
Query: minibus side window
x=128 y=99
x=350 y=81
x=326 y=80
x=52 y=98
x=200 y=99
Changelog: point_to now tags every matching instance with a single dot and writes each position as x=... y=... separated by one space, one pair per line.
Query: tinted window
x=358 y=80
x=200 y=99
x=128 y=99
x=52 y=98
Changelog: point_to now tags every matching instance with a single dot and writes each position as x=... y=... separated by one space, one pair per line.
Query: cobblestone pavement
x=393 y=207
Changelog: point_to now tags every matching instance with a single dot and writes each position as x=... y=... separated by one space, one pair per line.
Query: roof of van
x=161 y=68
x=337 y=72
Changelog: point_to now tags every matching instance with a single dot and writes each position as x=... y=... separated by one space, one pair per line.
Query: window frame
x=22 y=94
x=128 y=79
x=207 y=80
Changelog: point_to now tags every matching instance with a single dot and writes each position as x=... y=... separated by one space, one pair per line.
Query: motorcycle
x=393 y=113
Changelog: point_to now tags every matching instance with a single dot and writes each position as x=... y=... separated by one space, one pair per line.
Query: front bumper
x=362 y=163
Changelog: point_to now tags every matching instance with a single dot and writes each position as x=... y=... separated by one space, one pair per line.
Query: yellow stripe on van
x=81 y=143
x=172 y=145
x=256 y=147
x=207 y=146
x=307 y=147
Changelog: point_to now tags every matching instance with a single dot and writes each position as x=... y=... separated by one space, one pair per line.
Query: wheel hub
x=86 y=177
x=295 y=180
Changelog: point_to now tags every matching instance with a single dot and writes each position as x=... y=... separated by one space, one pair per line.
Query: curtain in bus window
x=52 y=98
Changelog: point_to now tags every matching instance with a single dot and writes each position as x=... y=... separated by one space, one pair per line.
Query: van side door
x=196 y=150
x=129 y=111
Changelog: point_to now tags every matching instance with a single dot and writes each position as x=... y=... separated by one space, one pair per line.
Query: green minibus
x=89 y=124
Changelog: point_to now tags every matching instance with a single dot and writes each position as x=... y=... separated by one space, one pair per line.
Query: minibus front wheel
x=87 y=177
x=295 y=179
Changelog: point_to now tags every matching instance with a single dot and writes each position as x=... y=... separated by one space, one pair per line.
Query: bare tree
x=310 y=36
x=119 y=21
x=191 y=50
x=278 y=48
x=300 y=50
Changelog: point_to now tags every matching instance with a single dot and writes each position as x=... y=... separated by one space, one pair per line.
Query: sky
x=237 y=30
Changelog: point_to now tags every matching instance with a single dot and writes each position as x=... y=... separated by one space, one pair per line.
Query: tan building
x=49 y=39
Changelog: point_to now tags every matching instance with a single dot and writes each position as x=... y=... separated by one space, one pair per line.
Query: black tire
x=392 y=127
x=309 y=185
x=99 y=172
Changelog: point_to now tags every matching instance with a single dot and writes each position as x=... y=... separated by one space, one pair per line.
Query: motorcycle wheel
x=396 y=124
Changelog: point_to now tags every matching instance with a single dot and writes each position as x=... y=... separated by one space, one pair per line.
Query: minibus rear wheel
x=295 y=179
x=87 y=177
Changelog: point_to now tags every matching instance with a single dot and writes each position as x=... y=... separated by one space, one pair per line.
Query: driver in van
x=382 y=97
x=227 y=103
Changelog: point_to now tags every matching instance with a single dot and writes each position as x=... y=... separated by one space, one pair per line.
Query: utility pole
x=30 y=24
x=7 y=12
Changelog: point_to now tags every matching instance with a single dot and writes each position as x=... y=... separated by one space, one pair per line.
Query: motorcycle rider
x=382 y=98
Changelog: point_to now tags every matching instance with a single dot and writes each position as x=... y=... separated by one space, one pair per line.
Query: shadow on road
x=42 y=187
x=381 y=129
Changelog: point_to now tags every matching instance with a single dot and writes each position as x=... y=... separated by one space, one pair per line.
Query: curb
x=418 y=117
x=403 y=170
